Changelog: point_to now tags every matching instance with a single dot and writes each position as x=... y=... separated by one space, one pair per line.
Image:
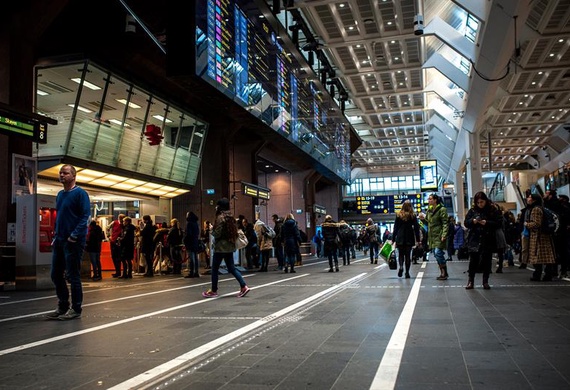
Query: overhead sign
x=255 y=191
x=319 y=209
x=381 y=204
x=23 y=126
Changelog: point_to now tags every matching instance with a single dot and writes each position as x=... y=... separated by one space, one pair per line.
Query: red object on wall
x=153 y=134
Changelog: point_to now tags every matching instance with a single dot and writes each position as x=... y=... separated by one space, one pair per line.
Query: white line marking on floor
x=153 y=373
x=127 y=320
x=387 y=372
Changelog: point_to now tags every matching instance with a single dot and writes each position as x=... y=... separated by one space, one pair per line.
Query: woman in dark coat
x=127 y=243
x=330 y=238
x=406 y=234
x=291 y=239
x=482 y=221
x=93 y=247
x=147 y=245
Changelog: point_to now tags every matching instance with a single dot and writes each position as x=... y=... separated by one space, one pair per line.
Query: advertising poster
x=24 y=174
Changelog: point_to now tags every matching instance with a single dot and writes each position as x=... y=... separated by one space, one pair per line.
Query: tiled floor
x=360 y=328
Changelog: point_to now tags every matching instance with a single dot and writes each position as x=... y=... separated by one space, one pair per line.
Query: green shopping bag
x=386 y=250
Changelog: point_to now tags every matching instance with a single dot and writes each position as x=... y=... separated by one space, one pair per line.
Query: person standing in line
x=264 y=243
x=191 y=240
x=278 y=241
x=482 y=220
x=345 y=234
x=251 y=256
x=147 y=245
x=225 y=236
x=127 y=244
x=437 y=219
x=541 y=250
x=174 y=238
x=291 y=240
x=114 y=232
x=73 y=213
x=406 y=234
x=330 y=236
x=93 y=248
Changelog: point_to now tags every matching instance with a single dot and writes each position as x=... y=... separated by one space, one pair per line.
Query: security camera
x=418 y=24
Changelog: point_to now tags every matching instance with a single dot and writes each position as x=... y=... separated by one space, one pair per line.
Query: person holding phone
x=482 y=221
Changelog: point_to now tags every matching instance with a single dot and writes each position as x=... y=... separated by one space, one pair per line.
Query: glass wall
x=104 y=119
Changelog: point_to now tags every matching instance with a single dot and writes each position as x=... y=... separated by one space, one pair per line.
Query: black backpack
x=550 y=221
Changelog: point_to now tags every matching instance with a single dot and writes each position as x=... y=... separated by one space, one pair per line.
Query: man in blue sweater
x=73 y=212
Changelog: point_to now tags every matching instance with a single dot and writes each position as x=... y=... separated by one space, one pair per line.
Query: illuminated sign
x=382 y=204
x=428 y=175
x=26 y=127
x=210 y=191
x=255 y=191
x=319 y=209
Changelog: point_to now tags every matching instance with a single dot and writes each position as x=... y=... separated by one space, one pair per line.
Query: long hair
x=481 y=196
x=407 y=211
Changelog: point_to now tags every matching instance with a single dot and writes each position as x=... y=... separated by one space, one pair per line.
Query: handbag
x=201 y=247
x=386 y=250
x=392 y=263
x=241 y=241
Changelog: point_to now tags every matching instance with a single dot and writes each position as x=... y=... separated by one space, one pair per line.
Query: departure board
x=382 y=204
x=238 y=51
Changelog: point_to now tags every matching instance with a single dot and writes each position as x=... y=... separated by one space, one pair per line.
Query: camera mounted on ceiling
x=418 y=24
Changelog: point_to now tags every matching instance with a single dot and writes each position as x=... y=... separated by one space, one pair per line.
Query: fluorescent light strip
x=81 y=108
x=86 y=84
x=41 y=93
x=131 y=104
x=118 y=122
x=161 y=118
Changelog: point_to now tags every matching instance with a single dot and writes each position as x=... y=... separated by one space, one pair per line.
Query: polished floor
x=360 y=328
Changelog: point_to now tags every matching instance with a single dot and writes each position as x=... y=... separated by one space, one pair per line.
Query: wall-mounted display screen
x=428 y=175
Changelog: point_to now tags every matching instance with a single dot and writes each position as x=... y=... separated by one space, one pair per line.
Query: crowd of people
x=487 y=232
x=487 y=229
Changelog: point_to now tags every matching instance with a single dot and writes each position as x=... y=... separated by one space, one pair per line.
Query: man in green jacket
x=437 y=232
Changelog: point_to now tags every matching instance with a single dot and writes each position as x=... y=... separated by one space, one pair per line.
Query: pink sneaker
x=243 y=292
x=209 y=294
